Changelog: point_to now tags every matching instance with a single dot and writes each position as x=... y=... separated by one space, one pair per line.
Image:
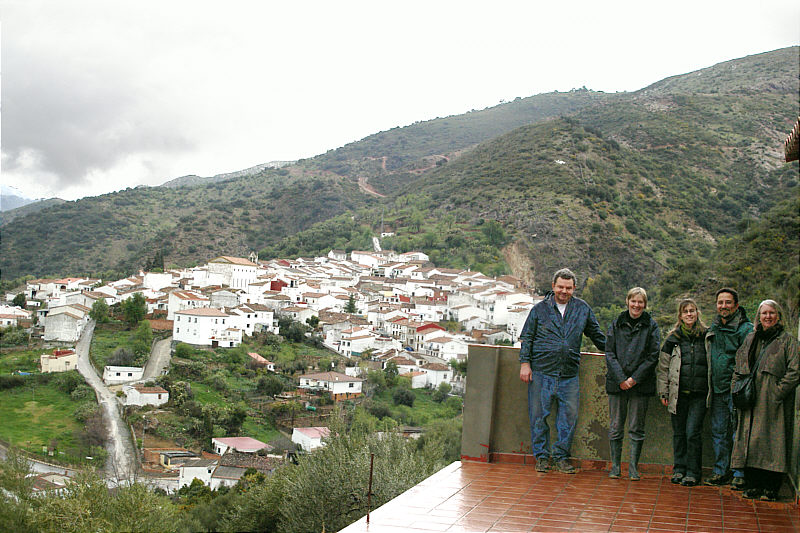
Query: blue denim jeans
x=687 y=434
x=542 y=390
x=723 y=424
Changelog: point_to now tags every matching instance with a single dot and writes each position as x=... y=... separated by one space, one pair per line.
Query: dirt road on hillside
x=367 y=188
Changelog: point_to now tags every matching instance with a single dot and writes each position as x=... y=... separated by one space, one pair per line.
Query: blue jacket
x=552 y=344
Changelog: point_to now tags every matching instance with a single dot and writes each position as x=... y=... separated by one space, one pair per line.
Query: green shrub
x=8 y=381
x=403 y=396
x=81 y=393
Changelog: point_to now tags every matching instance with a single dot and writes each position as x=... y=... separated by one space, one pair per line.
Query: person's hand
x=525 y=373
x=665 y=402
x=627 y=384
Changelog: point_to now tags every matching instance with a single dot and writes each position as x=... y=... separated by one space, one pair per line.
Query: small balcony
x=496 y=488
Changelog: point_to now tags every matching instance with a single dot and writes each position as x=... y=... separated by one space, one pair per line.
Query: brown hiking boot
x=565 y=467
x=542 y=464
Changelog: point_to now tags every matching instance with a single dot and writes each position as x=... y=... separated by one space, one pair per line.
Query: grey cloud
x=79 y=116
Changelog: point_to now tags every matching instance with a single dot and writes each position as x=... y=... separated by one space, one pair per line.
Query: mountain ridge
x=191 y=180
x=658 y=175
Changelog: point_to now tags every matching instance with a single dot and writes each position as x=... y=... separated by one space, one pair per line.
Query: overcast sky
x=102 y=95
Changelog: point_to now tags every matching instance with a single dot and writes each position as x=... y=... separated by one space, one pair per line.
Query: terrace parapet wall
x=496 y=427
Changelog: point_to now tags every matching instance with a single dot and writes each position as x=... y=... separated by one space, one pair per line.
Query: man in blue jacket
x=549 y=360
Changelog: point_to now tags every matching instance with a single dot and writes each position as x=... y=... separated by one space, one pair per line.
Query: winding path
x=367 y=188
x=159 y=359
x=121 y=463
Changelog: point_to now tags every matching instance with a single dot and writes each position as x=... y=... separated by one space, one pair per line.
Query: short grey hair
x=773 y=304
x=565 y=273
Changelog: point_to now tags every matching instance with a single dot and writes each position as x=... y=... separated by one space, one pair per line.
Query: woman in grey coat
x=761 y=443
x=682 y=379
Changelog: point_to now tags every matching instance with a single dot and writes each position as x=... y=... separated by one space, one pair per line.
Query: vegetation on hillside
x=622 y=191
x=405 y=146
x=761 y=261
x=326 y=491
x=114 y=234
x=113 y=345
x=629 y=185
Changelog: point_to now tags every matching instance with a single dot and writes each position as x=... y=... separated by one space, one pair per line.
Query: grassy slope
x=409 y=147
x=424 y=411
x=23 y=360
x=762 y=261
x=33 y=416
x=105 y=340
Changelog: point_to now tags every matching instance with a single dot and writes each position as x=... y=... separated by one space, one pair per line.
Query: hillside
x=193 y=218
x=193 y=180
x=8 y=215
x=633 y=186
x=774 y=71
x=762 y=259
x=628 y=183
x=391 y=150
x=120 y=231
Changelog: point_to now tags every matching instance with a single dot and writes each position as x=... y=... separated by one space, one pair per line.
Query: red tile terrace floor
x=508 y=497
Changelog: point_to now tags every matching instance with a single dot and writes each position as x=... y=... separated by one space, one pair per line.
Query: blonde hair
x=773 y=304
x=682 y=305
x=637 y=291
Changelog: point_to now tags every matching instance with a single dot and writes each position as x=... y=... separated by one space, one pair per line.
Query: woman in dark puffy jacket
x=683 y=385
x=632 y=346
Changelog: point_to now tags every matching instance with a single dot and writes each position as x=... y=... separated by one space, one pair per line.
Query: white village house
x=181 y=300
x=341 y=386
x=310 y=438
x=240 y=444
x=140 y=395
x=116 y=375
x=58 y=361
x=11 y=316
x=437 y=373
x=198 y=468
x=235 y=272
x=65 y=323
x=206 y=326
